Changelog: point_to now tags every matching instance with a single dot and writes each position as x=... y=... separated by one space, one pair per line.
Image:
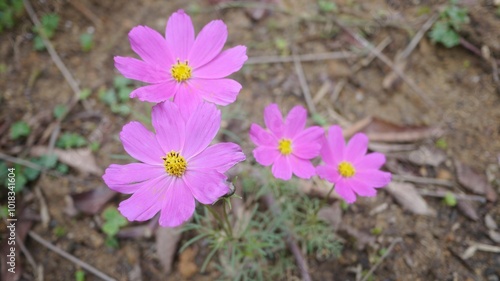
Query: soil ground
x=461 y=85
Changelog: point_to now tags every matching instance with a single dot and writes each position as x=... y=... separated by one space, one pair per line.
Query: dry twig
x=302 y=58
x=384 y=256
x=70 y=257
x=303 y=83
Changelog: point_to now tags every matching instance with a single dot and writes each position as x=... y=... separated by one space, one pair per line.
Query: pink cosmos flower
x=349 y=168
x=288 y=146
x=181 y=66
x=177 y=164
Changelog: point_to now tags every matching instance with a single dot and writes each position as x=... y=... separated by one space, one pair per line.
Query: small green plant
x=117 y=97
x=49 y=26
x=449 y=199
x=327 y=6
x=59 y=231
x=87 y=42
x=71 y=140
x=79 y=275
x=27 y=174
x=59 y=111
x=10 y=10
x=19 y=130
x=85 y=94
x=445 y=30
x=441 y=144
x=113 y=221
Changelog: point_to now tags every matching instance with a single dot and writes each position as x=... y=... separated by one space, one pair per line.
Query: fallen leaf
x=332 y=215
x=384 y=131
x=166 y=246
x=135 y=274
x=467 y=209
x=407 y=196
x=81 y=159
x=494 y=236
x=474 y=181
x=91 y=202
x=427 y=156
x=490 y=222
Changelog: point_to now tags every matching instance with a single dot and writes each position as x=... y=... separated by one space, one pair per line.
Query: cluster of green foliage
x=113 y=221
x=118 y=96
x=445 y=30
x=257 y=249
x=9 y=11
x=48 y=28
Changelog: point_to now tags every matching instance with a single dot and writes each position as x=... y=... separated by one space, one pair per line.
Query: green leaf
x=111 y=229
x=108 y=97
x=85 y=93
x=318 y=119
x=442 y=33
x=49 y=24
x=21 y=182
x=121 y=109
x=31 y=174
x=327 y=6
x=38 y=43
x=19 y=129
x=120 y=82
x=111 y=242
x=59 y=111
x=48 y=161
x=71 y=140
x=450 y=200
x=86 y=42
x=79 y=275
x=124 y=93
x=94 y=146
x=62 y=168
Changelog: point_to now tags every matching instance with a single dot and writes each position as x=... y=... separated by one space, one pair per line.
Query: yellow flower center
x=181 y=71
x=346 y=169
x=175 y=164
x=285 y=146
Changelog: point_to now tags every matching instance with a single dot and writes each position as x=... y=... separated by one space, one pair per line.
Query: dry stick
x=389 y=250
x=290 y=240
x=303 y=83
x=420 y=34
x=28 y=256
x=407 y=178
x=302 y=58
x=70 y=257
x=366 y=61
x=388 y=62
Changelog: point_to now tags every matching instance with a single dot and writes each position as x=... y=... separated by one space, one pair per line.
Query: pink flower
x=349 y=168
x=288 y=146
x=177 y=164
x=182 y=67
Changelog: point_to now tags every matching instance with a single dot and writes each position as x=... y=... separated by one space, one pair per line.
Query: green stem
x=325 y=199
x=226 y=218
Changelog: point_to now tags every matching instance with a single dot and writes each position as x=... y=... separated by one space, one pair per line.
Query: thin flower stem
x=325 y=199
x=217 y=217
x=226 y=218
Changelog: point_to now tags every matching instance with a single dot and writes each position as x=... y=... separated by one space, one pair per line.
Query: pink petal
x=345 y=191
x=146 y=202
x=328 y=173
x=150 y=46
x=178 y=205
x=266 y=155
x=155 y=92
x=129 y=178
x=206 y=186
x=281 y=168
x=374 y=178
x=373 y=160
x=141 y=144
x=274 y=120
x=356 y=148
x=180 y=35
x=326 y=152
x=302 y=168
x=220 y=156
x=361 y=188
x=208 y=43
x=139 y=70
x=261 y=137
x=336 y=145
x=295 y=121
x=187 y=100
x=307 y=143
x=169 y=126
x=226 y=63
x=218 y=91
x=201 y=128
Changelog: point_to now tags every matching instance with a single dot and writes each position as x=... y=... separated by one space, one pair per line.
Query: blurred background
x=419 y=77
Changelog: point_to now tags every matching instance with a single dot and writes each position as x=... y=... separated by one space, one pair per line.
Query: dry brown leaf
x=91 y=202
x=384 y=131
x=474 y=181
x=332 y=215
x=494 y=236
x=81 y=159
x=468 y=209
x=166 y=246
x=407 y=196
x=490 y=222
x=187 y=266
